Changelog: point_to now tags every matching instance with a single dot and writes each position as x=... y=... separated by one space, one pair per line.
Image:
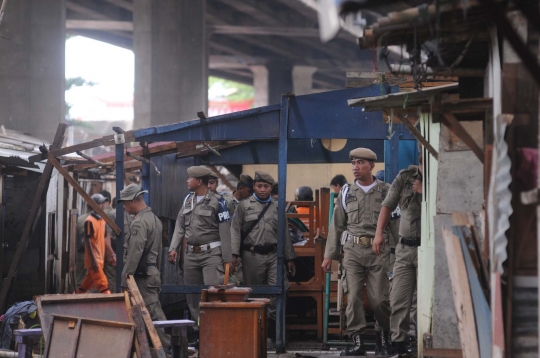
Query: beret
x=246 y=180
x=264 y=176
x=363 y=153
x=130 y=192
x=199 y=171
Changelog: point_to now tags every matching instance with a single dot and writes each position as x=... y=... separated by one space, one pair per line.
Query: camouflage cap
x=246 y=180
x=130 y=192
x=199 y=172
x=363 y=153
x=98 y=198
x=265 y=177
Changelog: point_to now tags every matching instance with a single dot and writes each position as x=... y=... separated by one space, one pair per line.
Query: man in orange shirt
x=94 y=250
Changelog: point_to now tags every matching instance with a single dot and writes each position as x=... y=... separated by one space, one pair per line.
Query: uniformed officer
x=142 y=253
x=110 y=264
x=244 y=189
x=254 y=238
x=204 y=221
x=213 y=182
x=406 y=191
x=353 y=227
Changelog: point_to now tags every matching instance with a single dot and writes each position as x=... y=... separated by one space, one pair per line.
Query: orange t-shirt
x=97 y=242
x=305 y=210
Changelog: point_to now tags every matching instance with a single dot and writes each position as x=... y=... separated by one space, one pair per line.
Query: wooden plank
x=442 y=353
x=143 y=348
x=156 y=342
x=41 y=191
x=453 y=124
x=416 y=133
x=83 y=193
x=74 y=213
x=462 y=295
x=482 y=312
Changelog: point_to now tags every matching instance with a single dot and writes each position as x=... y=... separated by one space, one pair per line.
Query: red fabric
x=526 y=168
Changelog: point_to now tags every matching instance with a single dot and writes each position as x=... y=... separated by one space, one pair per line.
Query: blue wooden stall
x=288 y=132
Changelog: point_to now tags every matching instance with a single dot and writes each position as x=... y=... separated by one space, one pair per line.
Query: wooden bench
x=177 y=329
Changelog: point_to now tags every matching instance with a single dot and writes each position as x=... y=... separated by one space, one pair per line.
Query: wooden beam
x=416 y=134
x=121 y=3
x=83 y=193
x=222 y=177
x=102 y=25
x=462 y=295
x=264 y=30
x=41 y=191
x=453 y=124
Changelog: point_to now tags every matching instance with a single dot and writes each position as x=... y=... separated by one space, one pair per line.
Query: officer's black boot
x=271 y=329
x=386 y=344
x=357 y=349
x=378 y=344
x=411 y=344
x=400 y=348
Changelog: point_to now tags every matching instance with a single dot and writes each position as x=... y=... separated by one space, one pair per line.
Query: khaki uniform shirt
x=357 y=213
x=145 y=232
x=409 y=201
x=232 y=203
x=264 y=233
x=204 y=222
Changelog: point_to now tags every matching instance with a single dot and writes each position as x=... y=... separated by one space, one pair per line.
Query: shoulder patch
x=396 y=214
x=223 y=212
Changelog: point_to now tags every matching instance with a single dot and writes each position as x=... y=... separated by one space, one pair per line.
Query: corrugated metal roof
x=17 y=147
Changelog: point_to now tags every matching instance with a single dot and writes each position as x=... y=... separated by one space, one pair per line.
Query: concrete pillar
x=279 y=80
x=32 y=70
x=171 y=61
x=260 y=85
x=302 y=77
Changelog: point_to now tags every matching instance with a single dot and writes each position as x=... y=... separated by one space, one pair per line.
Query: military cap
x=213 y=175
x=130 y=192
x=199 y=172
x=98 y=198
x=363 y=153
x=246 y=180
x=265 y=177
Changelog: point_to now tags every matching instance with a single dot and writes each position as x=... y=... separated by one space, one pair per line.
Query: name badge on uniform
x=223 y=213
x=349 y=198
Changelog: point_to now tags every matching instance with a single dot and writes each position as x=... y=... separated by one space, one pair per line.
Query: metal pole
x=146 y=181
x=119 y=140
x=326 y=309
x=282 y=222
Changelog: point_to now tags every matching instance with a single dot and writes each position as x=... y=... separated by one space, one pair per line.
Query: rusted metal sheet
x=91 y=306
x=73 y=337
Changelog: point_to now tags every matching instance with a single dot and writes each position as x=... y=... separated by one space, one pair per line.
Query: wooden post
x=85 y=196
x=462 y=295
x=416 y=134
x=41 y=191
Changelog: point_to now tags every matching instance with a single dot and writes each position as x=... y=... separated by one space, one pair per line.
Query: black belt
x=393 y=250
x=410 y=241
x=154 y=264
x=260 y=249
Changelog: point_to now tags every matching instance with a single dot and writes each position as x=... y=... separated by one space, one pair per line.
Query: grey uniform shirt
x=204 y=222
x=357 y=213
x=145 y=231
x=402 y=193
x=264 y=233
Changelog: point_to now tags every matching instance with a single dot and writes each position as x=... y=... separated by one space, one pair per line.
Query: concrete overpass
x=272 y=44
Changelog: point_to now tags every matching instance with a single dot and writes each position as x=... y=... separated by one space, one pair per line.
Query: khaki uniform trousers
x=261 y=270
x=80 y=271
x=205 y=268
x=361 y=263
x=149 y=288
x=110 y=272
x=403 y=288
